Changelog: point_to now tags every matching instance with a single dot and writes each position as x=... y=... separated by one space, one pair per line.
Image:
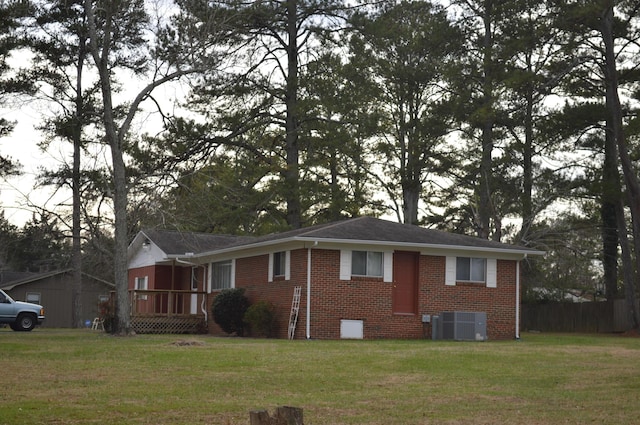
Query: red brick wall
x=498 y=303
x=369 y=299
x=252 y=274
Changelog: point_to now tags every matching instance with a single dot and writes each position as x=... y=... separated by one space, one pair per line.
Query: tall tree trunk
x=627 y=268
x=410 y=198
x=76 y=248
x=527 y=165
x=610 y=196
x=115 y=138
x=409 y=182
x=631 y=179
x=291 y=173
x=485 y=209
x=335 y=199
x=410 y=205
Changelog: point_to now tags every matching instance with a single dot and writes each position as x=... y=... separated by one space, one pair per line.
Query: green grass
x=82 y=377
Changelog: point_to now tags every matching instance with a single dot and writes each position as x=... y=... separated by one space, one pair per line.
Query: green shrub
x=261 y=317
x=228 y=310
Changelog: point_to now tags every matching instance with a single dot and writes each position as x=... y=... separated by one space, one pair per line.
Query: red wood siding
x=160 y=277
x=149 y=271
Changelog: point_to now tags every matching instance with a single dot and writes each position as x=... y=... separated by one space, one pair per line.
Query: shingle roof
x=378 y=230
x=34 y=277
x=361 y=229
x=7 y=276
x=179 y=243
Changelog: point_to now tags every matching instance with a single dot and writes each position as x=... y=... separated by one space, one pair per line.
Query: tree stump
x=284 y=415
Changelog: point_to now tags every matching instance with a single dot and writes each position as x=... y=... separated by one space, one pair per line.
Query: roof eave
x=337 y=241
x=425 y=246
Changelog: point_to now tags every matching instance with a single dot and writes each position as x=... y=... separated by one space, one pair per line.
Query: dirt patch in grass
x=187 y=343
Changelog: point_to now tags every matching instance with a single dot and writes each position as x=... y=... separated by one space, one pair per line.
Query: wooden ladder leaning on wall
x=295 y=308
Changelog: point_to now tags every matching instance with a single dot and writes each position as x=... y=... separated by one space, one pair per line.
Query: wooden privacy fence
x=603 y=316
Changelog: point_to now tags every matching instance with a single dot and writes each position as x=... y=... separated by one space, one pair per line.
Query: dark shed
x=54 y=291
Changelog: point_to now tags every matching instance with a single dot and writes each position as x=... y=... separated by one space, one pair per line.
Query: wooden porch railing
x=166 y=302
x=167 y=311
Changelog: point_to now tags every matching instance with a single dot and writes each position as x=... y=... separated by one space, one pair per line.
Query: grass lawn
x=51 y=376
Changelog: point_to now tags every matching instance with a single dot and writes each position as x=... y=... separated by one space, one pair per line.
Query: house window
x=142 y=284
x=194 y=278
x=33 y=297
x=279 y=263
x=471 y=269
x=221 y=275
x=366 y=263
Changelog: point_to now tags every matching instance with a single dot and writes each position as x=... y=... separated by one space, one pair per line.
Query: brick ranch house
x=359 y=278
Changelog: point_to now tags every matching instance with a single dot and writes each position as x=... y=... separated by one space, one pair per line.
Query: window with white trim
x=221 y=275
x=469 y=269
x=142 y=284
x=367 y=263
x=194 y=278
x=279 y=263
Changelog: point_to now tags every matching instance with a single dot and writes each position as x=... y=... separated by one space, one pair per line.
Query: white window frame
x=490 y=271
x=346 y=262
x=279 y=263
x=474 y=267
x=287 y=265
x=141 y=284
x=212 y=274
x=371 y=262
x=194 y=278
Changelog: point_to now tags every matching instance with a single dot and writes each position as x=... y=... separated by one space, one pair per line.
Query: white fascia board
x=248 y=250
x=305 y=242
x=428 y=249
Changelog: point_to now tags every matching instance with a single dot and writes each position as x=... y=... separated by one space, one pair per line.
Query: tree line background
x=511 y=120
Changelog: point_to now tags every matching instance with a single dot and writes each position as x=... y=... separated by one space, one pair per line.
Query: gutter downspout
x=518 y=297
x=308 y=325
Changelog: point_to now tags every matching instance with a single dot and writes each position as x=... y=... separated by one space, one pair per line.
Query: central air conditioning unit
x=462 y=326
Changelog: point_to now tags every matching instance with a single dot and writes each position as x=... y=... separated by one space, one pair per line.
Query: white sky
x=17 y=193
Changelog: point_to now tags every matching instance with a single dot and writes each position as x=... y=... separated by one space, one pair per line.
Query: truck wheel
x=25 y=322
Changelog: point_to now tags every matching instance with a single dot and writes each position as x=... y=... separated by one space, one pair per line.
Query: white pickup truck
x=20 y=316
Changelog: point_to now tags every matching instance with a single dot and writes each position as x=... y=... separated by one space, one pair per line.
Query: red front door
x=405 y=282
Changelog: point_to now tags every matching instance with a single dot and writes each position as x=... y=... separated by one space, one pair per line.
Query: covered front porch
x=162 y=311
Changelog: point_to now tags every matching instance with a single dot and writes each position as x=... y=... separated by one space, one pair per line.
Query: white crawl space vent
x=351 y=329
x=462 y=326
